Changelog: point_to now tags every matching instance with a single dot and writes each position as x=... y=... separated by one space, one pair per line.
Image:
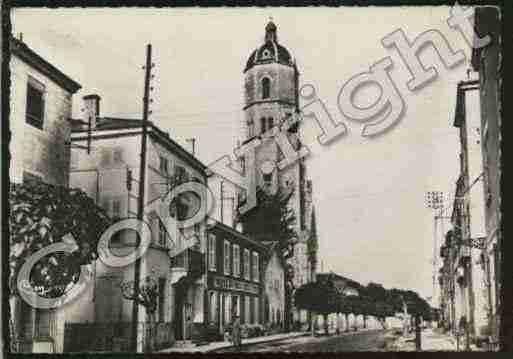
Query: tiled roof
x=25 y=53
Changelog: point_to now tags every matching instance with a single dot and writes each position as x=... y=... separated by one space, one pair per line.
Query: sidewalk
x=430 y=341
x=223 y=345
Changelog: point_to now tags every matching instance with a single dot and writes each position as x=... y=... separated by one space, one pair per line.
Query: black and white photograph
x=253 y=179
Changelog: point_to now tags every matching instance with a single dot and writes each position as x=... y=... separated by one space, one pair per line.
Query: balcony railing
x=191 y=260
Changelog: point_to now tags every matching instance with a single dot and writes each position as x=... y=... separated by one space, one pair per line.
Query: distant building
x=110 y=174
x=274 y=286
x=40 y=109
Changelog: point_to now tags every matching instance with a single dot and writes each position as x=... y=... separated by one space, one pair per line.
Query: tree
x=147 y=296
x=382 y=310
x=320 y=297
x=274 y=220
x=41 y=215
x=345 y=307
x=312 y=243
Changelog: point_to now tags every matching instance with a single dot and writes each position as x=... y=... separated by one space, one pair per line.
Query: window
x=163 y=165
x=116 y=208
x=236 y=260
x=35 y=103
x=251 y=128
x=247 y=310
x=255 y=310
x=246 y=264
x=270 y=123
x=213 y=307
x=255 y=268
x=266 y=87
x=162 y=233
x=227 y=257
x=118 y=155
x=212 y=252
x=268 y=178
x=227 y=307
x=262 y=125
x=180 y=174
x=235 y=307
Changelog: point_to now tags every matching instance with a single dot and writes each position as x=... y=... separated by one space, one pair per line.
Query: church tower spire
x=270 y=31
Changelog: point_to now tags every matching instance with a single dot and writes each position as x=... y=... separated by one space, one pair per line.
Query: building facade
x=487 y=61
x=40 y=109
x=271 y=85
x=109 y=172
x=470 y=275
x=235 y=277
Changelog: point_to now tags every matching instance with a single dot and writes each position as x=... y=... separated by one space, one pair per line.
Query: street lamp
x=435 y=201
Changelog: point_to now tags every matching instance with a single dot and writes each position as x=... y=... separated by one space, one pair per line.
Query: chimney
x=91 y=109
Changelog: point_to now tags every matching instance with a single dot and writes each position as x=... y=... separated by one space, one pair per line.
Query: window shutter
x=118 y=155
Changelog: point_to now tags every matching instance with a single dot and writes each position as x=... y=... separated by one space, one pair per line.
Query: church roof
x=271 y=51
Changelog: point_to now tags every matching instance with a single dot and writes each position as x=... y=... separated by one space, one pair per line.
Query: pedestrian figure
x=236 y=332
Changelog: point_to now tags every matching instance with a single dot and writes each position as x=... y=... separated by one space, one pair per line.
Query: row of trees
x=324 y=298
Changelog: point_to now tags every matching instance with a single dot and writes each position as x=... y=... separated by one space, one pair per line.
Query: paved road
x=359 y=341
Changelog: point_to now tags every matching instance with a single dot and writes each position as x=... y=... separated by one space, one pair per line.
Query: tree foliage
x=40 y=215
x=320 y=297
x=272 y=220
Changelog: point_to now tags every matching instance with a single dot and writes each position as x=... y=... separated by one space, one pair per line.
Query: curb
x=256 y=343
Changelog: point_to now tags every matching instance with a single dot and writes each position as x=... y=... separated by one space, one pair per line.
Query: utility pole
x=142 y=180
x=193 y=141
x=434 y=200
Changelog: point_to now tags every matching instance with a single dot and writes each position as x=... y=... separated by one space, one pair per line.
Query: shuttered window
x=236 y=260
x=246 y=264
x=255 y=268
x=226 y=254
x=212 y=252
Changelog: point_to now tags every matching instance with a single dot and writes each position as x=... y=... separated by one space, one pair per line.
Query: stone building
x=110 y=174
x=488 y=62
x=271 y=85
x=40 y=109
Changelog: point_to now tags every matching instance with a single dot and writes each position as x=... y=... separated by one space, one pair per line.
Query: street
x=360 y=341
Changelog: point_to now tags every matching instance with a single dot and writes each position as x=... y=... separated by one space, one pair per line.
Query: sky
x=369 y=194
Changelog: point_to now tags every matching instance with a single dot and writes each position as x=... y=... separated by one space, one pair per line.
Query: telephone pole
x=142 y=180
